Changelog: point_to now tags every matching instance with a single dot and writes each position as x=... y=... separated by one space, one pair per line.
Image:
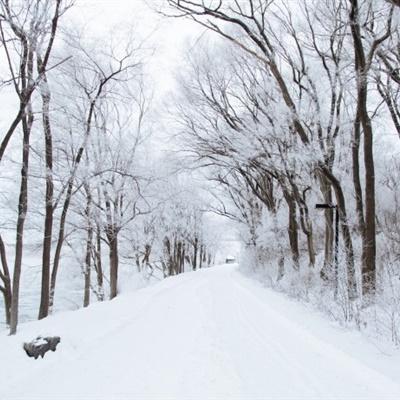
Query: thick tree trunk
x=362 y=66
x=293 y=229
x=112 y=236
x=369 y=247
x=355 y=149
x=27 y=121
x=48 y=222
x=22 y=212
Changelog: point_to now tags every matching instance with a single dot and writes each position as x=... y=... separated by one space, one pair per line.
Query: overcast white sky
x=167 y=36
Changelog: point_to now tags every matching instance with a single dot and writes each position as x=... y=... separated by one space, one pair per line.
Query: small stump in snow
x=41 y=345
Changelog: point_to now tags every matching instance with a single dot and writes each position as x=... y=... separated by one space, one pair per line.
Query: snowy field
x=211 y=334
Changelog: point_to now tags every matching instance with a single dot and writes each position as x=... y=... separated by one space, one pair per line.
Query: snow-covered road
x=212 y=334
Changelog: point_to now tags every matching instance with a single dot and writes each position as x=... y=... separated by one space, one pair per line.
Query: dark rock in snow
x=41 y=345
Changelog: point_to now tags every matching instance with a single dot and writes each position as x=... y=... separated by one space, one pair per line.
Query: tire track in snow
x=205 y=335
x=257 y=360
x=343 y=376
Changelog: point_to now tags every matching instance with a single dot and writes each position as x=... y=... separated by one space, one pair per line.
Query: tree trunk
x=201 y=256
x=48 y=222
x=137 y=261
x=175 y=257
x=146 y=256
x=88 y=255
x=369 y=247
x=88 y=258
x=178 y=262
x=326 y=190
x=310 y=247
x=281 y=267
x=27 y=122
x=195 y=250
x=60 y=242
x=355 y=150
x=305 y=222
x=182 y=265
x=168 y=256
x=293 y=229
x=5 y=277
x=348 y=244
x=112 y=236
x=98 y=266
x=362 y=67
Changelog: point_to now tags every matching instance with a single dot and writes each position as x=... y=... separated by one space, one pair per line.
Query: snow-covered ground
x=211 y=334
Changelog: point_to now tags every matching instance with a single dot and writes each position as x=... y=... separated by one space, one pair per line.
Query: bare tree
x=250 y=27
x=95 y=79
x=30 y=27
x=363 y=55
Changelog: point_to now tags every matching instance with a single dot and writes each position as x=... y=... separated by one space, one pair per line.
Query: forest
x=283 y=122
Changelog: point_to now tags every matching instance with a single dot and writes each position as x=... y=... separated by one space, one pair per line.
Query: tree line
x=79 y=138
x=288 y=108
